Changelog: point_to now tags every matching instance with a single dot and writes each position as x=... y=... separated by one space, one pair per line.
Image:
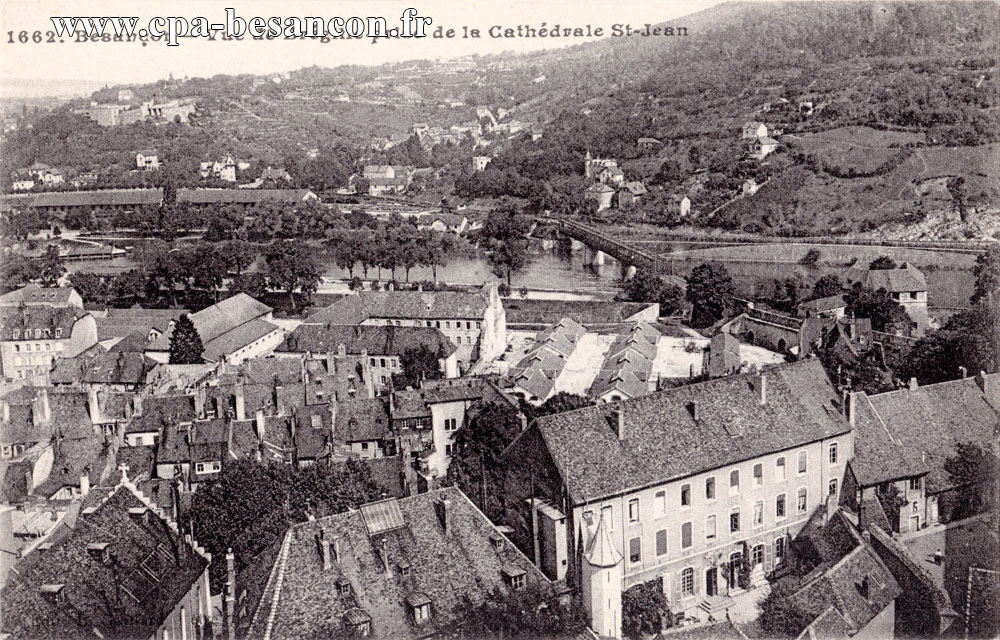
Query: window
x=373 y=362
x=661 y=542
x=468 y=325
x=803 y=457
x=687 y=582
x=802 y=500
x=447 y=449
x=478 y=325
x=17 y=348
x=661 y=503
x=385 y=379
x=734 y=521
x=758 y=475
x=779 y=507
x=710 y=489
x=450 y=424
x=633 y=510
x=833 y=453
x=17 y=334
x=316 y=421
x=757 y=554
x=914 y=484
x=207 y=467
x=381 y=362
x=779 y=469
x=758 y=513
x=517 y=581
x=634 y=550
x=423 y=612
x=364 y=446
x=48 y=346
x=734 y=482
x=686 y=535
x=832 y=487
x=686 y=495
x=779 y=549
x=447 y=324
x=710 y=527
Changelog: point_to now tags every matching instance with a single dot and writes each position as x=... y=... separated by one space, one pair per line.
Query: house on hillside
x=754 y=130
x=600 y=193
x=906 y=284
x=147 y=160
x=761 y=147
x=479 y=163
x=631 y=194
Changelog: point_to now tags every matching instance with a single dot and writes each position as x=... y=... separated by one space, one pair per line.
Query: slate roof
x=930 y=421
x=35 y=294
x=824 y=304
x=409 y=403
x=663 y=442
x=429 y=305
x=374 y=340
x=446 y=567
x=879 y=456
x=162 y=411
x=38 y=317
x=208 y=440
x=226 y=326
x=69 y=416
x=92 y=603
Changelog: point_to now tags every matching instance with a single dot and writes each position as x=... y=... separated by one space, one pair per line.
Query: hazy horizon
x=36 y=66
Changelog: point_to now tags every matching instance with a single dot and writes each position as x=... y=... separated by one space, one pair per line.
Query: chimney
x=139 y=515
x=444 y=515
x=694 y=410
x=385 y=553
x=618 y=420
x=241 y=410
x=84 y=484
x=324 y=549
x=279 y=402
x=259 y=417
x=29 y=482
x=331 y=364
x=342 y=350
x=762 y=389
x=391 y=286
x=913 y=384
x=199 y=402
x=136 y=406
x=963 y=371
x=6 y=410
x=335 y=545
x=851 y=408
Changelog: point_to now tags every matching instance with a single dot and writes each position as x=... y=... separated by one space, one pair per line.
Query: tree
x=476 y=466
x=878 y=306
x=975 y=472
x=644 y=609
x=710 y=289
x=780 y=617
x=419 y=363
x=648 y=287
x=238 y=255
x=881 y=263
x=562 y=401
x=828 y=285
x=987 y=272
x=185 y=343
x=531 y=612
x=505 y=231
x=291 y=266
x=810 y=258
x=50 y=268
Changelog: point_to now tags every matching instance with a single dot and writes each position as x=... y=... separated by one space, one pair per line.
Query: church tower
x=602 y=579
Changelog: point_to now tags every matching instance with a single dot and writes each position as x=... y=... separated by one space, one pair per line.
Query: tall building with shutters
x=692 y=486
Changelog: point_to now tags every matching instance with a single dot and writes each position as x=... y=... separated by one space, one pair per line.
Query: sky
x=22 y=64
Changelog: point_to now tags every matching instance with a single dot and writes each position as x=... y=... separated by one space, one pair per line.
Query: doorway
x=711 y=582
x=914 y=523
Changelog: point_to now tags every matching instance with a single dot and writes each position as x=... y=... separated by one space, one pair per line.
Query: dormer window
x=17 y=334
x=343 y=586
x=496 y=541
x=515 y=577
x=420 y=606
x=58 y=332
x=54 y=593
x=99 y=551
x=358 y=622
x=403 y=568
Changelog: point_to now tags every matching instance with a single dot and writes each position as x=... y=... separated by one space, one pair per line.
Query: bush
x=645 y=610
x=811 y=258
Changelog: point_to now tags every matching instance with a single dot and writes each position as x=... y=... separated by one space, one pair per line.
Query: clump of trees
x=645 y=610
x=710 y=291
x=648 y=287
x=505 y=234
x=418 y=364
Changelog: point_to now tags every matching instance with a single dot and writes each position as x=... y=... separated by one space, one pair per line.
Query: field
x=862 y=149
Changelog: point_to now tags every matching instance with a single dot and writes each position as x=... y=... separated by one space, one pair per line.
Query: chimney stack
x=331 y=364
x=964 y=372
x=229 y=602
x=259 y=417
x=240 y=401
x=850 y=408
x=279 y=403
x=136 y=406
x=762 y=389
x=199 y=402
x=385 y=553
x=342 y=350
x=335 y=545
x=913 y=384
x=618 y=416
x=324 y=549
x=84 y=484
x=444 y=515
x=93 y=405
x=694 y=410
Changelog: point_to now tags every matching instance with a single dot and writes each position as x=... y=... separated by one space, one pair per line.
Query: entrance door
x=711 y=582
x=735 y=562
x=914 y=523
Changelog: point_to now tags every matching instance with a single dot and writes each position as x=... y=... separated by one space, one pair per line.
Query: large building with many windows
x=685 y=484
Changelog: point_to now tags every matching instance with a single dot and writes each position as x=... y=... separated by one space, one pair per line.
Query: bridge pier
x=629 y=272
x=599 y=258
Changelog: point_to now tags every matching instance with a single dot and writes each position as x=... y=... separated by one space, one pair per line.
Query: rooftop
x=430 y=305
x=374 y=340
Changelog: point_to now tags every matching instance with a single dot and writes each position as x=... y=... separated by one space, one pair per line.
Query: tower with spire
x=601 y=583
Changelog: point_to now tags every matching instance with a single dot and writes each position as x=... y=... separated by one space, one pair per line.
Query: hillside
x=899 y=92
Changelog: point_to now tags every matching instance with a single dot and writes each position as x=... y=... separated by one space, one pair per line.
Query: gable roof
x=242 y=196
x=93 y=605
x=36 y=317
x=903 y=279
x=117 y=367
x=445 y=568
x=119 y=323
x=928 y=422
x=374 y=340
x=824 y=304
x=102 y=197
x=35 y=294
x=361 y=420
x=664 y=442
x=219 y=319
x=441 y=305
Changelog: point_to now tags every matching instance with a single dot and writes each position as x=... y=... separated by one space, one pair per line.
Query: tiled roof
x=446 y=567
x=361 y=420
x=162 y=411
x=376 y=341
x=35 y=294
x=878 y=455
x=95 y=595
x=931 y=420
x=663 y=441
x=430 y=305
x=103 y=197
x=904 y=279
x=120 y=323
x=824 y=304
x=219 y=319
x=68 y=416
x=117 y=367
x=240 y=196
x=409 y=403
x=206 y=442
x=239 y=337
x=38 y=317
